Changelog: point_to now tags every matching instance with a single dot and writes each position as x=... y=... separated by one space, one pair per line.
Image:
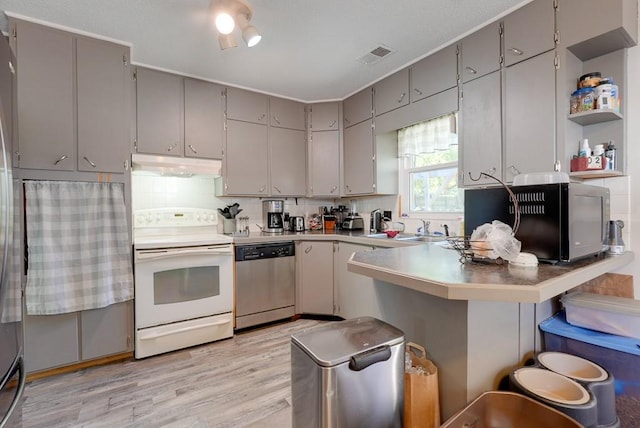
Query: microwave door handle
x=163 y=254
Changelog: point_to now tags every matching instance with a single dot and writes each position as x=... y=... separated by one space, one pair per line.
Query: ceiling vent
x=375 y=55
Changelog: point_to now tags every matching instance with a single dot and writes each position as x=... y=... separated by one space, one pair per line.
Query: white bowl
x=572 y=366
x=551 y=385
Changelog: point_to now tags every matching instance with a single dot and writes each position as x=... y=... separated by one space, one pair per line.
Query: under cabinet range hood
x=176 y=167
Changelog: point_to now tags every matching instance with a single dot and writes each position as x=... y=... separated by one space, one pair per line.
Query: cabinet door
x=481 y=130
x=358 y=159
x=480 y=52
x=107 y=331
x=288 y=162
x=50 y=341
x=435 y=73
x=246 y=159
x=325 y=116
x=317 y=277
x=45 y=87
x=530 y=116
x=159 y=112
x=287 y=114
x=358 y=107
x=247 y=106
x=529 y=31
x=202 y=119
x=325 y=163
x=356 y=294
x=392 y=92
x=103 y=101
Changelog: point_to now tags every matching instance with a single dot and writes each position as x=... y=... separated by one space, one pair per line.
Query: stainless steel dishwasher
x=265 y=283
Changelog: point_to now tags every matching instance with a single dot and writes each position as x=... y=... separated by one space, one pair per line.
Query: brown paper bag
x=421 y=397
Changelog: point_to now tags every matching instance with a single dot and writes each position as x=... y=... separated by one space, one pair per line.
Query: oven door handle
x=151 y=336
x=163 y=254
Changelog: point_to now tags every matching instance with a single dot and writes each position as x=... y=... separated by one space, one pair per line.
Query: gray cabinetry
x=392 y=92
x=529 y=31
x=159 y=97
x=359 y=165
x=288 y=162
x=246 y=159
x=107 y=331
x=325 y=116
x=45 y=97
x=480 y=52
x=287 y=114
x=247 y=106
x=356 y=294
x=316 y=277
x=103 y=100
x=435 y=73
x=530 y=116
x=358 y=107
x=324 y=165
x=481 y=130
x=202 y=119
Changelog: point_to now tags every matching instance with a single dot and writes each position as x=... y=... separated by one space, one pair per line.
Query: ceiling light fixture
x=228 y=13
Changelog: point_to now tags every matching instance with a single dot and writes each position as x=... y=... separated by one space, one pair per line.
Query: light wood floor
x=238 y=382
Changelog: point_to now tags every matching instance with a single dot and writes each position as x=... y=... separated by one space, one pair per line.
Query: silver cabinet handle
x=347 y=121
x=261 y=118
x=171 y=147
x=89 y=161
x=308 y=249
x=346 y=186
x=126 y=165
x=333 y=189
x=402 y=97
x=332 y=124
x=193 y=149
x=276 y=119
x=277 y=189
x=471 y=70
x=418 y=91
x=262 y=189
x=514 y=169
x=60 y=159
x=516 y=51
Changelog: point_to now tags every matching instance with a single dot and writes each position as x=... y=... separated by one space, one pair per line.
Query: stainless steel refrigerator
x=12 y=374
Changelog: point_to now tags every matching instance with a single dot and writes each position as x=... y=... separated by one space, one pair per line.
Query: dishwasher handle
x=365 y=359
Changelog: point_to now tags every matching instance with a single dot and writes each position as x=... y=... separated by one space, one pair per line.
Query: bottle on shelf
x=585 y=150
x=610 y=154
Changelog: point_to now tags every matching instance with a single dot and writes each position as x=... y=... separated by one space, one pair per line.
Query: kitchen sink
x=408 y=237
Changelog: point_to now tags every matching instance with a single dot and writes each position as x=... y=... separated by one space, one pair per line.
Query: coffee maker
x=273 y=216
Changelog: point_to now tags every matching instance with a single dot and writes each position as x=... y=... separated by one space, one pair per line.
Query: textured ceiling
x=309 y=48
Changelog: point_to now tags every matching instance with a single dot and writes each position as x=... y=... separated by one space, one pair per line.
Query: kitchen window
x=428 y=154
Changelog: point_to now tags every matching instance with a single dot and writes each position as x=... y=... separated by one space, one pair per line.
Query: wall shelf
x=601 y=173
x=595 y=116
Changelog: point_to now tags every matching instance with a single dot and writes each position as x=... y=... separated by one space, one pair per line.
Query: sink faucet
x=375 y=224
x=424 y=230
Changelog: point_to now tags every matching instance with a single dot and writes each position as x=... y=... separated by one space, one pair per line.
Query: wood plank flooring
x=239 y=382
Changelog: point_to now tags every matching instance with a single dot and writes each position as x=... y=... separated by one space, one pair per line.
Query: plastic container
x=589 y=80
x=609 y=314
x=582 y=100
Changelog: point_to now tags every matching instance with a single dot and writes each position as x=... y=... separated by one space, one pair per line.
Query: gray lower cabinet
x=246 y=157
x=435 y=73
x=316 y=277
x=530 y=97
x=391 y=92
x=324 y=164
x=480 y=52
x=203 y=118
x=359 y=165
x=529 y=31
x=159 y=112
x=288 y=162
x=45 y=97
x=103 y=100
x=52 y=341
x=481 y=130
x=356 y=294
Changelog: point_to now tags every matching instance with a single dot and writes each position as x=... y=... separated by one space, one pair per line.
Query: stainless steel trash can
x=348 y=374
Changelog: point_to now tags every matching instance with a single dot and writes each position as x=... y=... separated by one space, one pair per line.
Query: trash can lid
x=335 y=343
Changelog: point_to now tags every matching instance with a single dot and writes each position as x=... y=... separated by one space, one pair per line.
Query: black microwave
x=559 y=222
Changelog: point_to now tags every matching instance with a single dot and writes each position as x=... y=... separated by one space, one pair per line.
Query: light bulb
x=251 y=36
x=224 y=23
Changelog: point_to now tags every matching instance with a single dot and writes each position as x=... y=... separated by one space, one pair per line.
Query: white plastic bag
x=495 y=240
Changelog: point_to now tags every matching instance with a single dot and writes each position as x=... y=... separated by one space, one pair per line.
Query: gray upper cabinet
x=45 y=97
x=435 y=73
x=529 y=31
x=530 y=116
x=358 y=107
x=288 y=162
x=202 y=119
x=359 y=168
x=480 y=52
x=246 y=157
x=159 y=97
x=324 y=168
x=481 y=130
x=103 y=101
x=325 y=116
x=247 y=106
x=392 y=92
x=287 y=114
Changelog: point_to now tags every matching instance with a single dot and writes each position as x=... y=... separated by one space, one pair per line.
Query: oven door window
x=186 y=284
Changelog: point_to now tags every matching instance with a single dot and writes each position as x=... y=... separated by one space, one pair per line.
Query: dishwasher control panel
x=264 y=251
